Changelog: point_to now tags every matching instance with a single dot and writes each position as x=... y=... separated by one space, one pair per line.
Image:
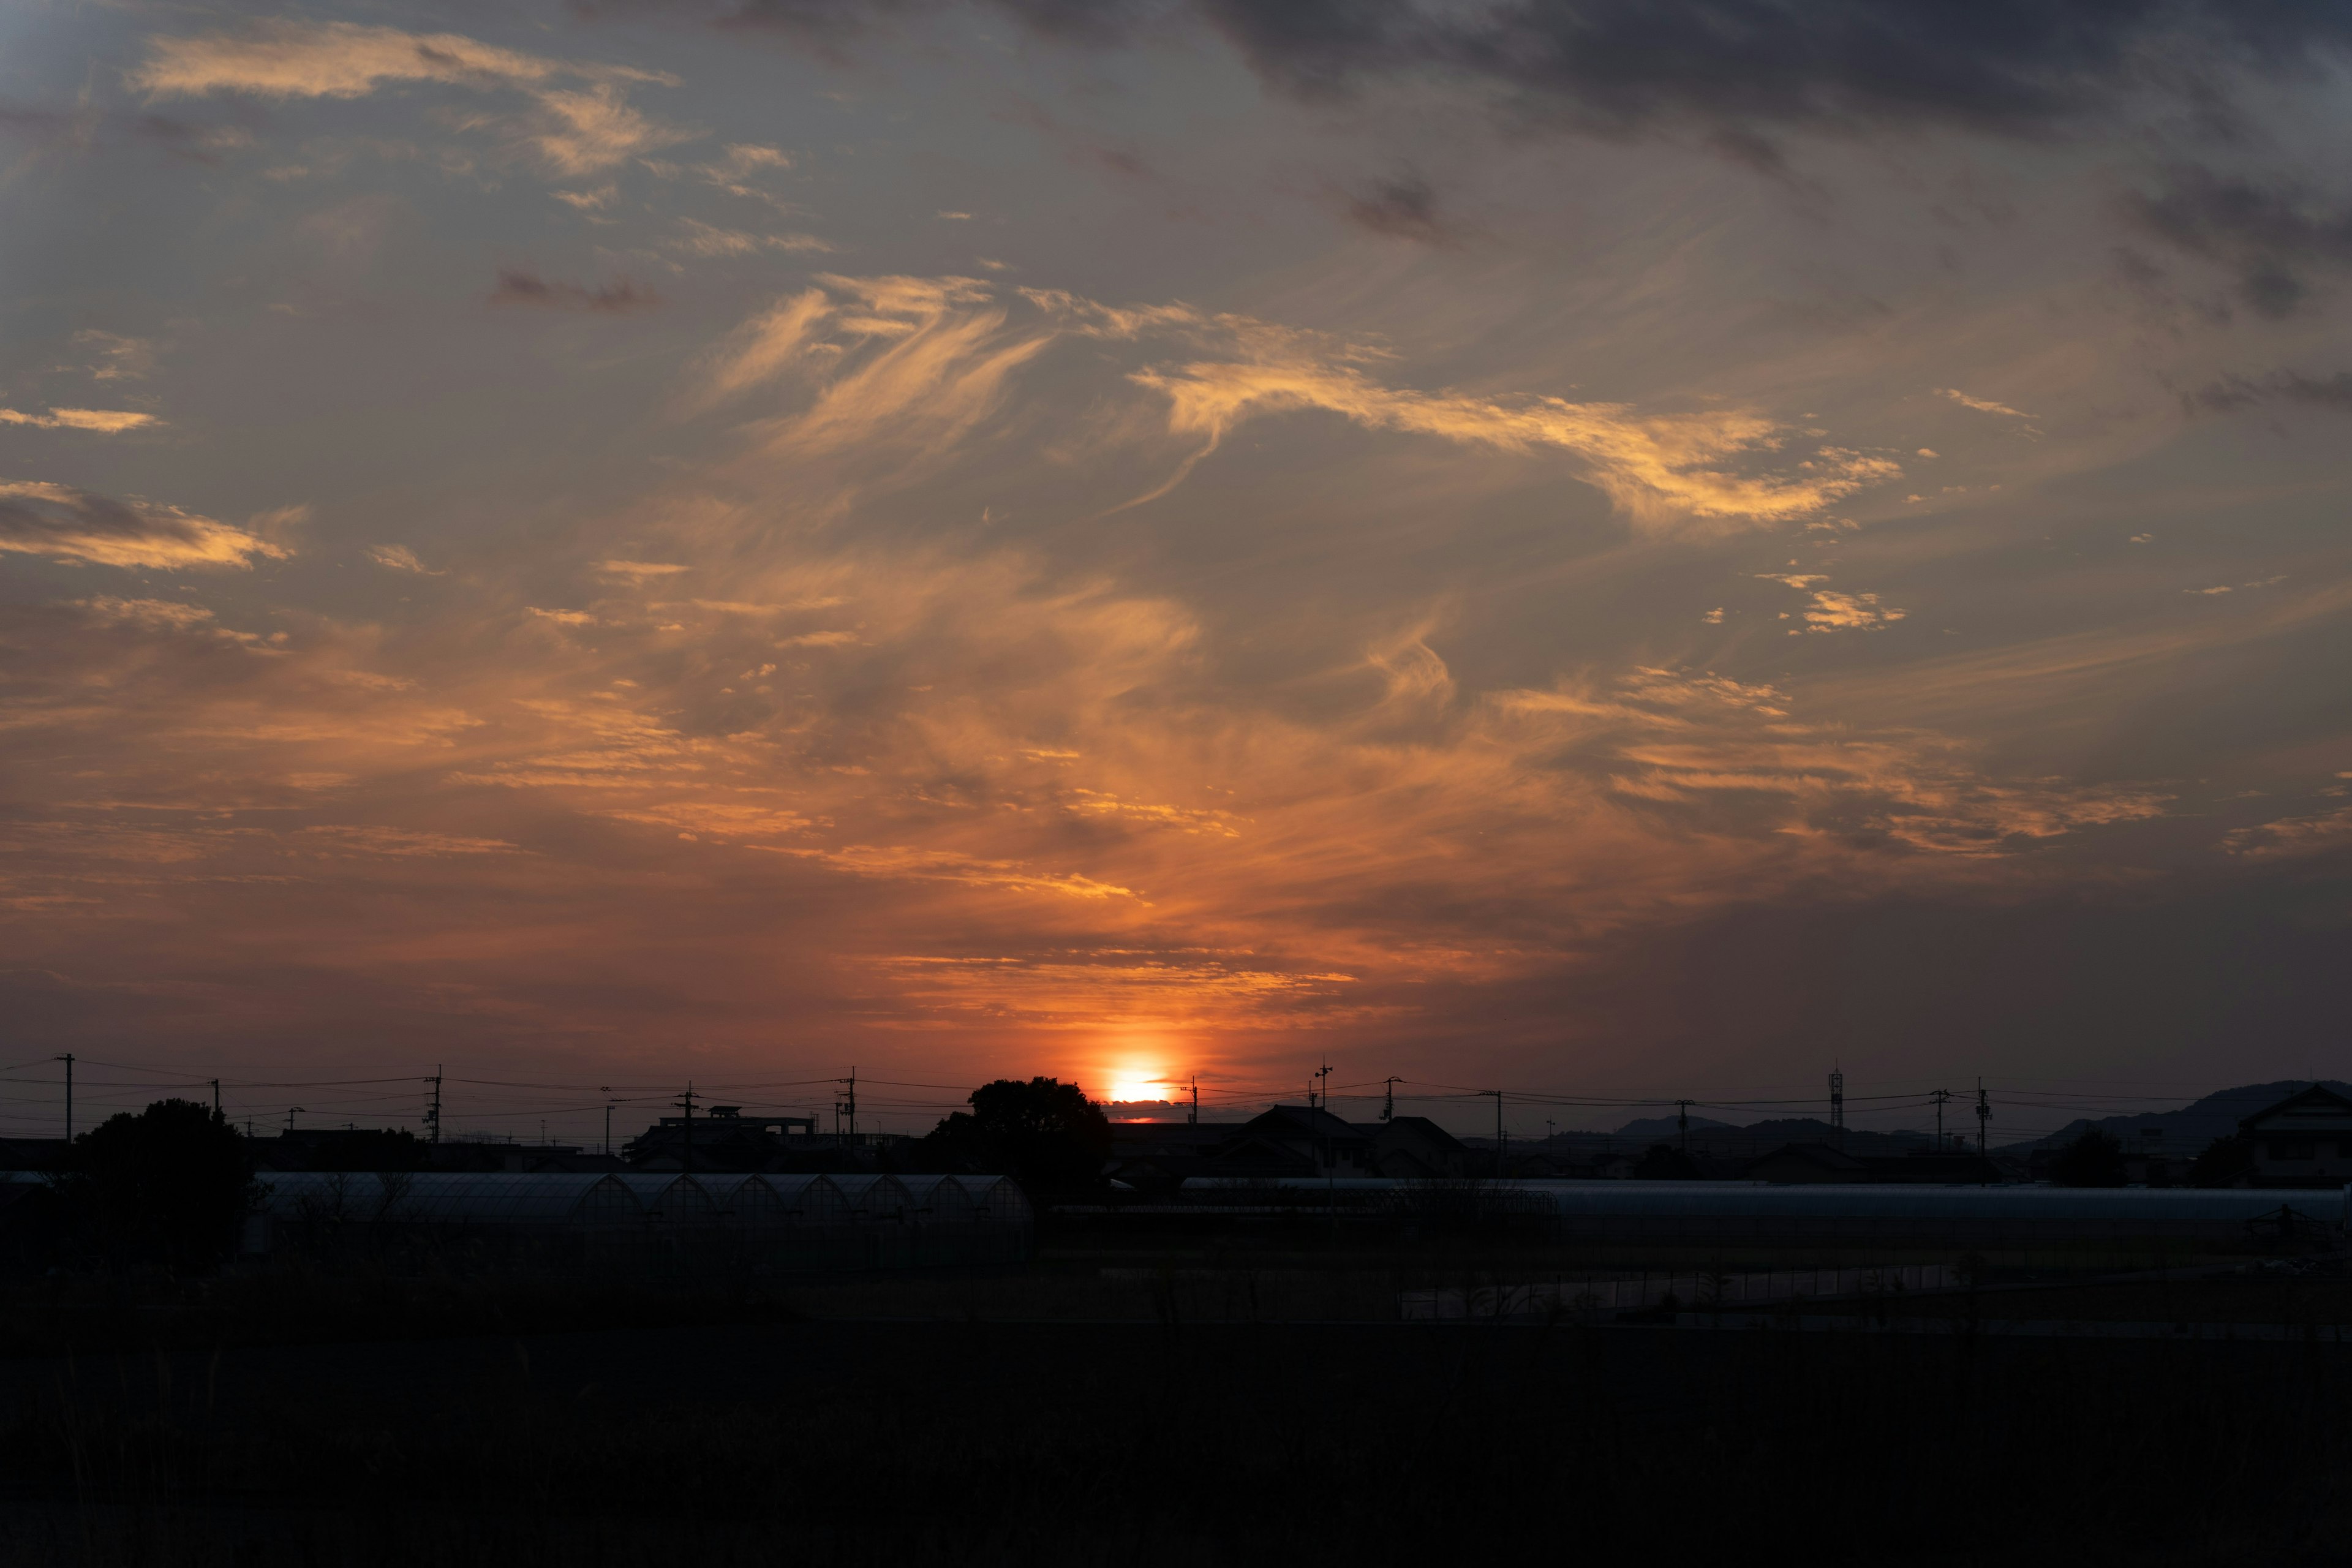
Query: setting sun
x=1130 y=1083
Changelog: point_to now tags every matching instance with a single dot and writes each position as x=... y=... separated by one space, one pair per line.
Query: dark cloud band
x=2011 y=67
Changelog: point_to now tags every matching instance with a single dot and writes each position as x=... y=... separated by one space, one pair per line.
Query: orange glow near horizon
x=1132 y=1081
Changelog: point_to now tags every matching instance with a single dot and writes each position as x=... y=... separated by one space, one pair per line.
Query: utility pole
x=1498 y=1129
x=289 y=1117
x=68 y=1059
x=1837 y=1105
x=686 y=1100
x=1682 y=1122
x=433 y=1116
x=1388 y=1102
x=216 y=1115
x=1984 y=1115
x=1325 y=1073
x=1192 y=1117
x=847 y=1103
x=1939 y=1096
x=607 y=1089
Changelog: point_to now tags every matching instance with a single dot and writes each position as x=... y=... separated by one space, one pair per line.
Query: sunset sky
x=1623 y=550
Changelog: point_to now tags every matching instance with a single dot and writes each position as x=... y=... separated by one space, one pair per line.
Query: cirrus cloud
x=67 y=524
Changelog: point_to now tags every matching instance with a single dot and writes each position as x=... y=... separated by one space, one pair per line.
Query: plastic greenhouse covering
x=435 y=1198
x=941 y=1200
x=873 y=1200
x=613 y=1199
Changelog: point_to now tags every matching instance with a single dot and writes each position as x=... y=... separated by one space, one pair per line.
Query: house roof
x=2315 y=1104
x=1135 y=1139
x=1419 y=1126
x=1301 y=1120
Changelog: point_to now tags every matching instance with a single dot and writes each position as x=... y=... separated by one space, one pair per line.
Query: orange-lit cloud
x=67 y=524
x=101 y=421
x=574 y=131
x=1196 y=636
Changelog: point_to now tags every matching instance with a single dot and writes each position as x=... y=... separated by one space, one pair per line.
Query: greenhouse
x=635 y=1221
x=585 y=1200
x=939 y=1200
x=673 y=1200
x=1723 y=1211
x=798 y=1200
x=998 y=1201
x=1959 y=1213
x=874 y=1200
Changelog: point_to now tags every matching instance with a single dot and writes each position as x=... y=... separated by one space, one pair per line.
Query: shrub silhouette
x=169 y=1185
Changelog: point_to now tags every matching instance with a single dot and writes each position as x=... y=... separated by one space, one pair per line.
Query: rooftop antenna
x=1388 y=1101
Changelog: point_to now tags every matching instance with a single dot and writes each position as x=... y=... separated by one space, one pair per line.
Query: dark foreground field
x=722 y=1429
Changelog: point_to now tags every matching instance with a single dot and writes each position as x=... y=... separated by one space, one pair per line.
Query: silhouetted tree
x=1665 y=1162
x=1044 y=1133
x=169 y=1185
x=2093 y=1160
x=2224 y=1161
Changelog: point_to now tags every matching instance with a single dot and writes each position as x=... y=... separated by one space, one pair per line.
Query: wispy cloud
x=101 y=421
x=1660 y=468
x=73 y=525
x=938 y=352
x=1981 y=405
x=521 y=286
x=399 y=558
x=119 y=358
x=1834 y=612
x=574 y=131
x=637 y=573
x=708 y=240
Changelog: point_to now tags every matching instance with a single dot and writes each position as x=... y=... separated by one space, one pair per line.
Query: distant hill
x=1666 y=1127
x=1720 y=1140
x=2194 y=1125
x=2186 y=1128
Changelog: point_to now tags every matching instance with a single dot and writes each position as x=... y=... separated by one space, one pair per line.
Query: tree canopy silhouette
x=2221 y=1162
x=167 y=1186
x=1665 y=1162
x=1044 y=1133
x=2093 y=1160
